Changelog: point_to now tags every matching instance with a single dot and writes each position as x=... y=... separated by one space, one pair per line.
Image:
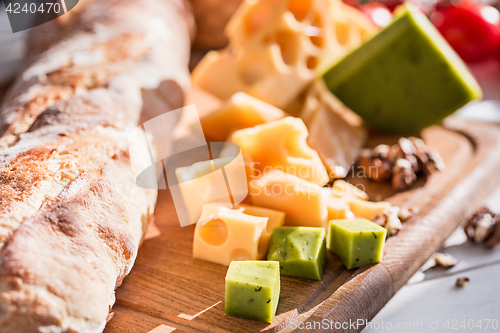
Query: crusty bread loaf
x=71 y=215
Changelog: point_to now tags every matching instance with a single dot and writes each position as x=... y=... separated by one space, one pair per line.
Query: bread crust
x=71 y=215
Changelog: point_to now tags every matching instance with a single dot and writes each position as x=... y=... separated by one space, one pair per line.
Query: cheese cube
x=225 y=234
x=282 y=144
x=301 y=251
x=252 y=290
x=219 y=180
x=199 y=185
x=240 y=111
x=356 y=242
x=301 y=201
x=276 y=219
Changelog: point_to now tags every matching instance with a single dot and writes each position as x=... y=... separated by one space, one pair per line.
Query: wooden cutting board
x=168 y=290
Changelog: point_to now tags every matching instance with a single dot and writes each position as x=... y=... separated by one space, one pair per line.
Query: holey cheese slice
x=282 y=144
x=278 y=46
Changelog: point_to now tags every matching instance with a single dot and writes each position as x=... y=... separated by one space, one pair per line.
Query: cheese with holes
x=240 y=111
x=301 y=201
x=282 y=144
x=225 y=234
x=277 y=47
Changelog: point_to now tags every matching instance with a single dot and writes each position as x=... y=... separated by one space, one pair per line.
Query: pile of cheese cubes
x=268 y=101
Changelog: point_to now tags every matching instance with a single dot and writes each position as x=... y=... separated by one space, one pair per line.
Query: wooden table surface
x=425 y=302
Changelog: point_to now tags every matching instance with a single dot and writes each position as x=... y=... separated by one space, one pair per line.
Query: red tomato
x=378 y=13
x=472 y=29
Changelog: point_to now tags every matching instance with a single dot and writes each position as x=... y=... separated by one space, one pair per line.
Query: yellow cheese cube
x=276 y=219
x=301 y=201
x=205 y=182
x=282 y=144
x=240 y=111
x=225 y=234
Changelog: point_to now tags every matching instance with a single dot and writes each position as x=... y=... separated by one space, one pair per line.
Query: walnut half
x=484 y=227
x=401 y=164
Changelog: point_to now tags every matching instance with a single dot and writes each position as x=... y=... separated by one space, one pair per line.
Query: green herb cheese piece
x=405 y=78
x=301 y=251
x=252 y=290
x=356 y=242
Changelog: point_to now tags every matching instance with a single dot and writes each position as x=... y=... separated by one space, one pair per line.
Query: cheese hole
x=240 y=255
x=214 y=232
x=300 y=8
x=288 y=46
x=315 y=31
x=317 y=41
x=294 y=147
x=342 y=32
x=312 y=62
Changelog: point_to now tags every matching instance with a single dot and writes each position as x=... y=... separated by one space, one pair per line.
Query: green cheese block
x=252 y=290
x=356 y=242
x=301 y=251
x=405 y=78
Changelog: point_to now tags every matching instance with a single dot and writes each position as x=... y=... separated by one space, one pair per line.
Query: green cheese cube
x=252 y=290
x=356 y=242
x=405 y=78
x=301 y=251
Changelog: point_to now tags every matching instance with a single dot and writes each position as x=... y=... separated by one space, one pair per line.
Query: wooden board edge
x=354 y=299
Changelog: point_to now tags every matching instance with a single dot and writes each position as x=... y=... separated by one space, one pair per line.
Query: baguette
x=71 y=215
